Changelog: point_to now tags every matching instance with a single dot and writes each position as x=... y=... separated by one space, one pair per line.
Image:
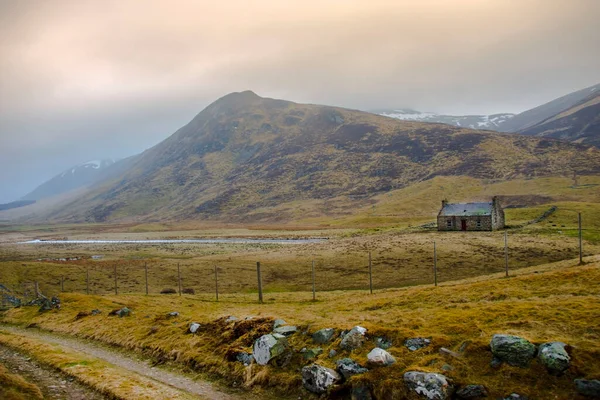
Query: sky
x=83 y=80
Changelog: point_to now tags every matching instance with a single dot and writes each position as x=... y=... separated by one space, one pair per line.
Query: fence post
x=87 y=280
x=62 y=283
x=313 y=281
x=580 y=240
x=179 y=277
x=370 y=275
x=146 y=275
x=116 y=287
x=216 y=283
x=506 y=253
x=260 y=293
x=434 y=264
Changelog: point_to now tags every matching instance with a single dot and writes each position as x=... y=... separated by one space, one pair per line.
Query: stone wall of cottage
x=474 y=223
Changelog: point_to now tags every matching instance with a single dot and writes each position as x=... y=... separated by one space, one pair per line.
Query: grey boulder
x=268 y=347
x=323 y=336
x=318 y=379
x=554 y=357
x=514 y=350
x=348 y=367
x=244 y=358
x=414 y=344
x=379 y=356
x=278 y=322
x=429 y=385
x=472 y=392
x=285 y=330
x=354 y=339
x=194 y=326
x=588 y=387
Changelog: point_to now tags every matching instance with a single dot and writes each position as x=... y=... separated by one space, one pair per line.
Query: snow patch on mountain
x=464 y=121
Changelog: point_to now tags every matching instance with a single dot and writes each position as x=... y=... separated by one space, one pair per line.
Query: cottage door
x=463 y=225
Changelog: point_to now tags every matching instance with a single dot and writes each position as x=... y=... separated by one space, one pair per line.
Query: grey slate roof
x=466 y=209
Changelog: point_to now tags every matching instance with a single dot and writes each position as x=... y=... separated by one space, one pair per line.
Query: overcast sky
x=82 y=80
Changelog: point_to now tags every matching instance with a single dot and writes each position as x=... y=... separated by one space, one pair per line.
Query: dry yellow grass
x=14 y=387
x=543 y=303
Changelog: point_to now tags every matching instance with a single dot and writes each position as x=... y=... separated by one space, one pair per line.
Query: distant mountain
x=16 y=204
x=492 y=122
x=247 y=158
x=527 y=119
x=73 y=178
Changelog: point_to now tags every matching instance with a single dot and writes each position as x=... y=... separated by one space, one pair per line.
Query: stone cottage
x=487 y=216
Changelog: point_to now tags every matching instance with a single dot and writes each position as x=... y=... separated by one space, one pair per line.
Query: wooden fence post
x=87 y=280
x=116 y=287
x=580 y=240
x=313 y=281
x=62 y=283
x=179 y=277
x=216 y=282
x=434 y=264
x=506 y=253
x=370 y=275
x=260 y=293
x=146 y=275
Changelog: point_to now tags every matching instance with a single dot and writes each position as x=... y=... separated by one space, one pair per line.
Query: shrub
x=168 y=291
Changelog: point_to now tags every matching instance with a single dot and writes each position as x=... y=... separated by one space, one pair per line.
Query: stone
x=309 y=354
x=123 y=312
x=588 y=387
x=360 y=391
x=554 y=357
x=318 y=379
x=278 y=322
x=268 y=347
x=348 y=367
x=354 y=339
x=379 y=356
x=173 y=314
x=514 y=350
x=414 y=344
x=287 y=330
x=516 y=396
x=194 y=326
x=429 y=385
x=96 y=312
x=383 y=343
x=472 y=392
x=244 y=358
x=332 y=353
x=323 y=336
x=231 y=318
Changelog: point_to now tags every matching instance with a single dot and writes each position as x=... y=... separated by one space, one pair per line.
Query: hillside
x=492 y=122
x=244 y=153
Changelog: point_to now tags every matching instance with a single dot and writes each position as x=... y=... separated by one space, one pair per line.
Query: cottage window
x=478 y=223
x=449 y=223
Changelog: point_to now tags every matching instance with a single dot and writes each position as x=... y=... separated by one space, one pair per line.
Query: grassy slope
x=545 y=303
x=14 y=387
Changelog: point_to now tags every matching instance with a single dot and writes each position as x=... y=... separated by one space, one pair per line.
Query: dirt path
x=53 y=384
x=204 y=390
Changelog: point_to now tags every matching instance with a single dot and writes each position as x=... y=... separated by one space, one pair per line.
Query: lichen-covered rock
x=123 y=312
x=360 y=391
x=429 y=385
x=244 y=358
x=414 y=344
x=514 y=350
x=348 y=367
x=318 y=379
x=309 y=354
x=194 y=326
x=285 y=330
x=354 y=339
x=472 y=392
x=383 y=343
x=588 y=387
x=554 y=357
x=379 y=356
x=278 y=322
x=268 y=347
x=323 y=336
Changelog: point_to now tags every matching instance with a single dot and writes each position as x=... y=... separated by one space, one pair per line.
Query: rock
x=348 y=367
x=317 y=379
x=414 y=344
x=285 y=330
x=588 y=387
x=360 y=391
x=554 y=357
x=48 y=304
x=123 y=312
x=194 y=326
x=173 y=314
x=278 y=322
x=244 y=358
x=312 y=353
x=332 y=353
x=383 y=343
x=472 y=392
x=323 y=336
x=231 y=318
x=96 y=312
x=516 y=396
x=429 y=385
x=514 y=350
x=379 y=356
x=354 y=339
x=268 y=347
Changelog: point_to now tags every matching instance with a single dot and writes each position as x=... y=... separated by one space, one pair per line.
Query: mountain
x=529 y=118
x=73 y=178
x=492 y=122
x=248 y=158
x=579 y=123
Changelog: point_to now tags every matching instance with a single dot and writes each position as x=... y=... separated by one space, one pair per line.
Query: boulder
x=472 y=392
x=429 y=385
x=173 y=314
x=194 y=326
x=123 y=312
x=414 y=344
x=244 y=358
x=379 y=356
x=323 y=336
x=318 y=379
x=332 y=353
x=309 y=354
x=354 y=339
x=514 y=350
x=383 y=343
x=268 y=347
x=348 y=367
x=96 y=312
x=360 y=391
x=278 y=322
x=287 y=330
x=554 y=357
x=588 y=387
x=515 y=396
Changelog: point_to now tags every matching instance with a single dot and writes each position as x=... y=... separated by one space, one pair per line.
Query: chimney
x=496 y=202
x=444 y=202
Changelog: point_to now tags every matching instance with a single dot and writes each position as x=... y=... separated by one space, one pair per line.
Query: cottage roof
x=466 y=209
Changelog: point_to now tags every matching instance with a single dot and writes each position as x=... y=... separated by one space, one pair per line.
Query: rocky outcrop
x=514 y=350
x=268 y=347
x=323 y=336
x=554 y=357
x=379 y=356
x=429 y=385
x=354 y=339
x=318 y=379
x=348 y=368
